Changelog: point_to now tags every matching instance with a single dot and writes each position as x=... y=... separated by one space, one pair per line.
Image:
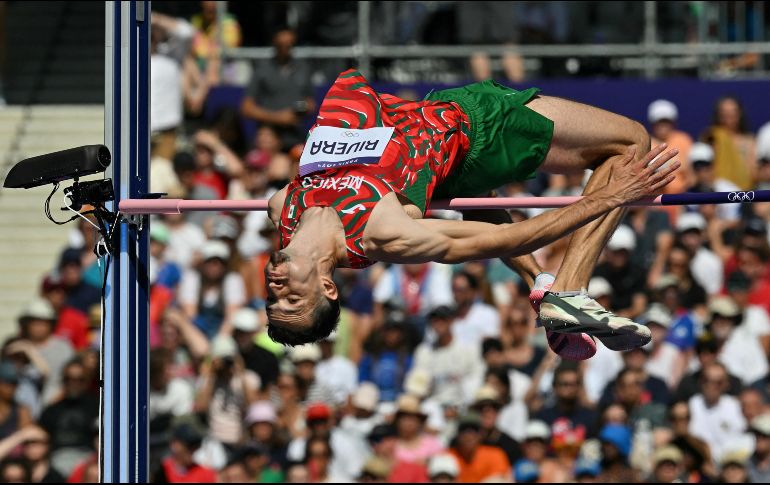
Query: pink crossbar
x=177 y=206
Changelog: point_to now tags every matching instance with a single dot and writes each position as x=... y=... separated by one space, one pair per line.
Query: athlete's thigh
x=583 y=135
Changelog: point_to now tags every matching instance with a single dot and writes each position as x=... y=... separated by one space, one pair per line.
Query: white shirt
x=662 y=362
x=707 y=270
x=456 y=371
x=729 y=212
x=165 y=93
x=600 y=370
x=481 y=321
x=338 y=374
x=177 y=400
x=233 y=290
x=756 y=320
x=163 y=179
x=512 y=420
x=744 y=356
x=719 y=426
x=436 y=291
x=185 y=241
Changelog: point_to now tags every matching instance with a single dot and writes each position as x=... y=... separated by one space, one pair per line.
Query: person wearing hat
x=740 y=350
x=247 y=324
x=262 y=427
x=626 y=279
x=443 y=468
x=210 y=295
x=478 y=462
x=414 y=444
x=335 y=371
x=36 y=328
x=364 y=416
x=734 y=465
x=305 y=360
x=487 y=404
x=390 y=358
x=225 y=391
x=180 y=466
x=455 y=367
x=616 y=448
x=383 y=440
x=587 y=470
x=668 y=465
x=706 y=180
x=375 y=470
x=663 y=360
x=535 y=449
x=256 y=461
x=662 y=115
x=706 y=267
x=759 y=463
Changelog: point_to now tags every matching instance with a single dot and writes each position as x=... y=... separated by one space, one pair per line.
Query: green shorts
x=508 y=141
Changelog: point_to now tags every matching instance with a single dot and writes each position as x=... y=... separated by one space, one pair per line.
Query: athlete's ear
x=328 y=288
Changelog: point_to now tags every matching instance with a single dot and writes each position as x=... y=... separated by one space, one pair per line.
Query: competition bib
x=329 y=147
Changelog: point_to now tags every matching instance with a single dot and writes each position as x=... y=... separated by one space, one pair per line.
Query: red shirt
x=429 y=140
x=404 y=472
x=194 y=474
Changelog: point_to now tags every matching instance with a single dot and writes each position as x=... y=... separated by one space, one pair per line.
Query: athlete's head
x=302 y=300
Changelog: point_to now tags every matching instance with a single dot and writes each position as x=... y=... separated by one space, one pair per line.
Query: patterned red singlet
x=429 y=140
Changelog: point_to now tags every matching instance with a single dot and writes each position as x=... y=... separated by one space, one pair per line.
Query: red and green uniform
x=458 y=142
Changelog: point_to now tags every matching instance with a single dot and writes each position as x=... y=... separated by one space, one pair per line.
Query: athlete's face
x=293 y=286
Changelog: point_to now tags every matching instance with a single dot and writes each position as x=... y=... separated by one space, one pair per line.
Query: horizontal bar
x=177 y=206
x=545 y=50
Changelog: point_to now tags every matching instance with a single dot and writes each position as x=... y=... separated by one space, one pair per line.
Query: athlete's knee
x=640 y=137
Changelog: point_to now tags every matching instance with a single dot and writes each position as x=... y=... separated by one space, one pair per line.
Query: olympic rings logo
x=350 y=134
x=741 y=196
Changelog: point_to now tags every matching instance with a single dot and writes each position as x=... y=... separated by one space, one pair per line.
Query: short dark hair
x=473 y=282
x=326 y=316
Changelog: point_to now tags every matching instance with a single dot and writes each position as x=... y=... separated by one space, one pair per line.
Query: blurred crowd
x=436 y=373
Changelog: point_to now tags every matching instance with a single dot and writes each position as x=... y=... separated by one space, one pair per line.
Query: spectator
x=487 y=404
x=363 y=417
x=663 y=115
x=756 y=320
x=389 y=361
x=215 y=164
x=383 y=440
x=15 y=470
x=225 y=391
x=414 y=288
x=336 y=372
x=478 y=462
x=474 y=319
x=279 y=93
x=534 y=448
x=690 y=293
x=247 y=323
x=513 y=414
x=567 y=409
x=653 y=388
x=184 y=342
x=288 y=401
x=705 y=266
x=257 y=464
x=234 y=472
x=169 y=395
x=71 y=420
x=664 y=360
x=443 y=469
x=519 y=352
x=211 y=295
x=616 y=448
x=205 y=44
x=297 y=473
x=14 y=416
x=375 y=470
x=734 y=145
x=36 y=453
x=759 y=463
x=305 y=359
x=262 y=427
x=318 y=458
x=668 y=465
x=32 y=371
x=697 y=456
x=179 y=466
x=455 y=367
x=414 y=444
x=275 y=167
x=734 y=467
x=716 y=417
x=706 y=351
x=629 y=392
x=707 y=179
x=740 y=351
x=587 y=470
x=653 y=237
x=185 y=241
x=626 y=279
x=164 y=278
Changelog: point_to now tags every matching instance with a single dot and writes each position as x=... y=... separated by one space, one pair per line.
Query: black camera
x=55 y=167
x=95 y=192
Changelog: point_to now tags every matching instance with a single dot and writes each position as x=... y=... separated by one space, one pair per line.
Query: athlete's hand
x=632 y=180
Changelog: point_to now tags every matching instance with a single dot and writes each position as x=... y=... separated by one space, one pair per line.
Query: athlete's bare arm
x=391 y=236
x=275 y=205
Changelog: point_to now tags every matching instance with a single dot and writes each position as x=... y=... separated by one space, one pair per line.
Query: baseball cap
x=225 y=227
x=662 y=109
x=701 y=153
x=304 y=353
x=215 y=249
x=8 y=373
x=618 y=436
x=724 y=306
x=223 y=346
x=667 y=453
x=469 y=420
x=598 y=287
x=160 y=232
x=366 y=397
x=537 y=430
x=70 y=256
x=246 y=320
x=622 y=238
x=443 y=464
x=666 y=281
x=417 y=383
x=526 y=471
x=690 y=221
x=656 y=313
x=38 y=309
x=486 y=394
x=261 y=412
x=761 y=424
x=585 y=467
x=318 y=411
x=443 y=312
x=734 y=457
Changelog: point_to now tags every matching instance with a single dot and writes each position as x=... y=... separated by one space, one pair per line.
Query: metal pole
x=650 y=38
x=124 y=424
x=364 y=39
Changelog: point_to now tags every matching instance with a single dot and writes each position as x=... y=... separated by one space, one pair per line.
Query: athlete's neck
x=320 y=236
